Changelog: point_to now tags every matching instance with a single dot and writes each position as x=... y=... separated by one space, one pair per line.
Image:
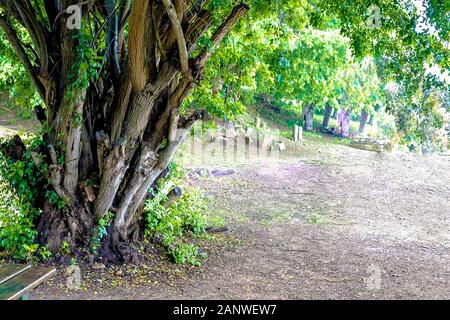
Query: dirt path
x=11 y=122
x=324 y=221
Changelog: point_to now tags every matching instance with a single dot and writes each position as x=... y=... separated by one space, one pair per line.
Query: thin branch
x=237 y=13
x=112 y=38
x=106 y=22
x=182 y=48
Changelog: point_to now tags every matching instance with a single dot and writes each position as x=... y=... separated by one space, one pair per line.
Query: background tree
x=361 y=90
x=308 y=72
x=422 y=122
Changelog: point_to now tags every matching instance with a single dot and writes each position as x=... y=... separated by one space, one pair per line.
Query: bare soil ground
x=323 y=221
x=11 y=123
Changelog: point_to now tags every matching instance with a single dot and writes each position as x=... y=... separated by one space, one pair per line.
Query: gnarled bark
x=105 y=148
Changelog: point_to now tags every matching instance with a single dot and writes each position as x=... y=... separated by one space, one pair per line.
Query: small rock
x=222 y=173
x=99 y=266
x=202 y=172
x=217 y=229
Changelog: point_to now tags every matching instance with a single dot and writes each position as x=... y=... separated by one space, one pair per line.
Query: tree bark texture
x=117 y=132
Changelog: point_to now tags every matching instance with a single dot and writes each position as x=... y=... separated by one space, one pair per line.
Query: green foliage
x=298 y=52
x=65 y=247
x=174 y=227
x=87 y=63
x=292 y=67
x=422 y=121
x=183 y=253
x=17 y=232
x=408 y=40
x=23 y=177
x=240 y=68
x=360 y=87
x=44 y=253
x=19 y=185
x=54 y=199
x=101 y=231
x=14 y=79
x=20 y=182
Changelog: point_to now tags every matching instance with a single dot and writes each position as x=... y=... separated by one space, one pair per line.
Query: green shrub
x=17 y=232
x=101 y=231
x=183 y=253
x=20 y=182
x=175 y=226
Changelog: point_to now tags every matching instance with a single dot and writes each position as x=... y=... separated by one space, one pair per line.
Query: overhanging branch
x=237 y=13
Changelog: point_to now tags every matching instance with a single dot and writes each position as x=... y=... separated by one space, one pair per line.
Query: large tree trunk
x=112 y=130
x=327 y=115
x=363 y=121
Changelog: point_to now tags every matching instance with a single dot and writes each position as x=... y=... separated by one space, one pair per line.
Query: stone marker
x=298 y=133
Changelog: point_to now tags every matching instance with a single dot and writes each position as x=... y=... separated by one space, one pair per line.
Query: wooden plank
x=23 y=283
x=9 y=271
